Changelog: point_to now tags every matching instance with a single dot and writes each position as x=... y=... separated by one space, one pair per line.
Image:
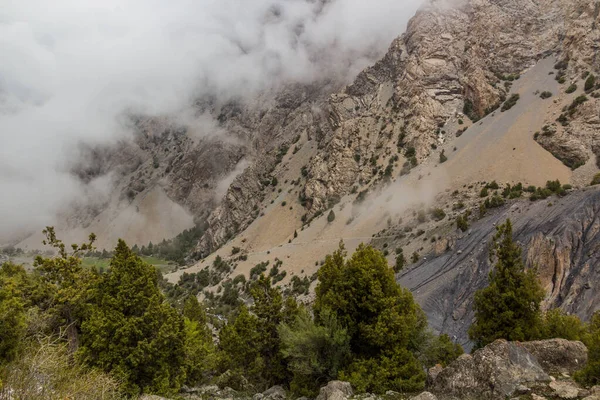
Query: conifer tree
x=132 y=332
x=199 y=346
x=509 y=308
x=382 y=319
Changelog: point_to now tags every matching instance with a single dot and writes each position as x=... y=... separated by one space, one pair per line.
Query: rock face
x=455 y=57
x=496 y=371
x=559 y=240
x=336 y=390
x=558 y=356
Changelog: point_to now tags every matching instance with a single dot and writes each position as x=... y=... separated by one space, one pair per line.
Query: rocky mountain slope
x=456 y=101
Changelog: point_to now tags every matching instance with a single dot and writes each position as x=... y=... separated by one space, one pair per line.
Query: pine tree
x=509 y=308
x=132 y=332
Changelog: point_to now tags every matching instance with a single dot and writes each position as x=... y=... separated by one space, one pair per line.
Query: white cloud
x=71 y=68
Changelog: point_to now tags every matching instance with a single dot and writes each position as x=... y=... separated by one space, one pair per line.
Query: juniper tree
x=131 y=331
x=509 y=307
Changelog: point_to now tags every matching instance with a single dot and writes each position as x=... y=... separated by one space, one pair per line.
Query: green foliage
x=571 y=89
x=462 y=222
x=331 y=216
x=45 y=369
x=249 y=347
x=557 y=324
x=443 y=157
x=415 y=257
x=508 y=104
x=67 y=284
x=509 y=307
x=494 y=202
x=382 y=319
x=469 y=110
x=131 y=331
x=590 y=374
x=595 y=180
x=400 y=261
x=12 y=310
x=484 y=192
x=438 y=214
x=493 y=185
x=315 y=352
x=590 y=83
x=410 y=152
x=546 y=95
x=436 y=349
x=238 y=350
x=396 y=370
x=200 y=357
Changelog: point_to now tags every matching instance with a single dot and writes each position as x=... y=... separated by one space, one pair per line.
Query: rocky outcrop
x=335 y=390
x=559 y=236
x=453 y=58
x=558 y=356
x=498 y=370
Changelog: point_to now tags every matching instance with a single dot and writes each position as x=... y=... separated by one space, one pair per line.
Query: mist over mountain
x=77 y=71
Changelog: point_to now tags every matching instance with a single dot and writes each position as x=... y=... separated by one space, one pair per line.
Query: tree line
x=121 y=335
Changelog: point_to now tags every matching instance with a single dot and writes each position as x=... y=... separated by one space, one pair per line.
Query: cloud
x=71 y=70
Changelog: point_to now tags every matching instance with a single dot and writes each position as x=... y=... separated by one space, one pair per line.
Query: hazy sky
x=69 y=69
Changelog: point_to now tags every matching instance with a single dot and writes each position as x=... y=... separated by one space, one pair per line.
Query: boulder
x=274 y=393
x=424 y=396
x=433 y=372
x=496 y=371
x=558 y=356
x=564 y=389
x=336 y=390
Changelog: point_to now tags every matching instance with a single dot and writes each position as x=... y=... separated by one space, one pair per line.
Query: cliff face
x=560 y=237
x=455 y=56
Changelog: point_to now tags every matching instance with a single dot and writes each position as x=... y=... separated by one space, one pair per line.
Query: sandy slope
x=149 y=218
x=499 y=147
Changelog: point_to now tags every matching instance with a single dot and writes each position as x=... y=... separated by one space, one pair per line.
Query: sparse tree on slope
x=509 y=308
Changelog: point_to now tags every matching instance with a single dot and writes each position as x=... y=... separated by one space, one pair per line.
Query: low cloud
x=71 y=73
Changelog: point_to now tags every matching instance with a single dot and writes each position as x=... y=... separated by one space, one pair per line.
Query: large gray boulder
x=336 y=390
x=424 y=396
x=498 y=370
x=558 y=356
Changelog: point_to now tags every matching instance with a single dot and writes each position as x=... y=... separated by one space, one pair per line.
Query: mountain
x=474 y=91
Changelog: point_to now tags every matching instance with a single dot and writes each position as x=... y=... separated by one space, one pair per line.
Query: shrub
x=410 y=152
x=400 y=260
x=590 y=82
x=508 y=104
x=595 y=180
x=571 y=89
x=462 y=222
x=438 y=214
x=493 y=185
x=590 y=374
x=484 y=192
x=415 y=257
x=443 y=157
x=331 y=216
x=546 y=94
